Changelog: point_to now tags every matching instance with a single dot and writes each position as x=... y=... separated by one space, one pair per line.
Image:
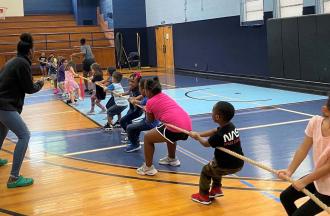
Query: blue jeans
x=129 y=117
x=11 y=120
x=134 y=130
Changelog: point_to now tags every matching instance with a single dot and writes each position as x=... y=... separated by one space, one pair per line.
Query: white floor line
x=192 y=155
x=273 y=124
x=56 y=138
x=98 y=150
x=188 y=155
x=41 y=95
x=296 y=112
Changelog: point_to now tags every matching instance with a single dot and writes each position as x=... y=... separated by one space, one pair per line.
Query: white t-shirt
x=118 y=89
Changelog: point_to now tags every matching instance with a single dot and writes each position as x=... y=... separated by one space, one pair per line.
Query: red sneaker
x=215 y=192
x=203 y=199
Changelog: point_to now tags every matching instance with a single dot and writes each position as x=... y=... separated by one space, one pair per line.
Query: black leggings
x=290 y=195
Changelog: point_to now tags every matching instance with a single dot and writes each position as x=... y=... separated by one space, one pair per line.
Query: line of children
x=160 y=107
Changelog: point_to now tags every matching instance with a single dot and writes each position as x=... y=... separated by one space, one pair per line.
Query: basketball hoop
x=3 y=11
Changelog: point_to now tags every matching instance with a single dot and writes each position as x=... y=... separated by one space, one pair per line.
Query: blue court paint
x=269 y=195
x=256 y=97
x=40 y=97
x=311 y=107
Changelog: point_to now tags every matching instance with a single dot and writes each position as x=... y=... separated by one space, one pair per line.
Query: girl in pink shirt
x=318 y=182
x=70 y=85
x=163 y=108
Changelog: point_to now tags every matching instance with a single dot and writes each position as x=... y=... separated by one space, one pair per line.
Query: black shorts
x=87 y=65
x=115 y=110
x=169 y=135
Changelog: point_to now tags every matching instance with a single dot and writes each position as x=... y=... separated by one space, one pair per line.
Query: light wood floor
x=65 y=186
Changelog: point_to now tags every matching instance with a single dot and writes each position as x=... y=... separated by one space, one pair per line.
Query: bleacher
x=57 y=34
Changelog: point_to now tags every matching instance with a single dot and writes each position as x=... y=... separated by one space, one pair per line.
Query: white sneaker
x=169 y=161
x=91 y=113
x=103 y=112
x=144 y=170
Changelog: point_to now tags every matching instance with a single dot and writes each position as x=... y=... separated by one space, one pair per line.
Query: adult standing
x=15 y=81
x=88 y=60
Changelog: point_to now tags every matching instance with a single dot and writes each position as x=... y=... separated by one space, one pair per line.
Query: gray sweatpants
x=11 y=120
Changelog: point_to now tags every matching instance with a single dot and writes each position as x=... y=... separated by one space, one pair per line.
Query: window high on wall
x=322 y=6
x=288 y=8
x=252 y=12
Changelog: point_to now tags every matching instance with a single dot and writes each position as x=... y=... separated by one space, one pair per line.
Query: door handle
x=164 y=48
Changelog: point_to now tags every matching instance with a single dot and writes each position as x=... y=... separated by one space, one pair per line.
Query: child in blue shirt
x=120 y=102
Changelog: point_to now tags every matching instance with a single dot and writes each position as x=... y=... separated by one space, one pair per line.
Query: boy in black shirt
x=222 y=164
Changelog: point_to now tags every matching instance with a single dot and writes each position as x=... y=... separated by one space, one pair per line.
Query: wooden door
x=164 y=46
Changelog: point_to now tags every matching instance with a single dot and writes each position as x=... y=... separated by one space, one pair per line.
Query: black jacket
x=16 y=80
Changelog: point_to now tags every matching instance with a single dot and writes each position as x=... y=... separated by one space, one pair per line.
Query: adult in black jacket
x=15 y=81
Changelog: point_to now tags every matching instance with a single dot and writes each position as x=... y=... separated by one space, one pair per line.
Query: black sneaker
x=86 y=90
x=90 y=92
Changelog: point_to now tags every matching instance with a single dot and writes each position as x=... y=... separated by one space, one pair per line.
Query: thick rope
x=262 y=166
x=104 y=87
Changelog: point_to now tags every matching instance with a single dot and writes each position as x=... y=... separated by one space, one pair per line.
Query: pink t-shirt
x=166 y=110
x=321 y=153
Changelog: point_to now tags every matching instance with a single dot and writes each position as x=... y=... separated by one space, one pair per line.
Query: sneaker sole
x=164 y=163
x=201 y=202
x=215 y=196
x=17 y=186
x=148 y=174
x=133 y=150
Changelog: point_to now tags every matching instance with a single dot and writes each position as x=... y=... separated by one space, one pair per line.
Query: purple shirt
x=61 y=74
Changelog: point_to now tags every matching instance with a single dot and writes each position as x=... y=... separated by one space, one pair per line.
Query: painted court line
x=39 y=95
x=97 y=150
x=56 y=137
x=292 y=111
x=181 y=149
x=258 y=104
x=274 y=124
